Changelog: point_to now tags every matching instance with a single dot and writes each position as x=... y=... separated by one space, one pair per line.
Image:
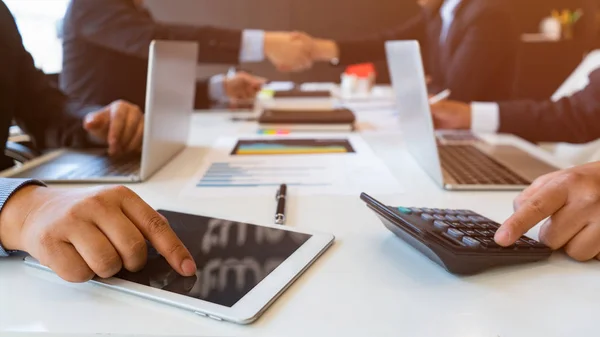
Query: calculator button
x=441 y=225
x=485 y=226
x=427 y=216
x=484 y=232
x=455 y=233
x=492 y=225
x=463 y=212
x=439 y=217
x=489 y=225
x=416 y=210
x=450 y=211
x=457 y=225
x=437 y=210
x=469 y=241
x=470 y=225
x=463 y=218
x=451 y=217
x=522 y=244
x=427 y=210
x=489 y=243
x=470 y=232
x=533 y=243
x=478 y=218
x=453 y=240
x=404 y=210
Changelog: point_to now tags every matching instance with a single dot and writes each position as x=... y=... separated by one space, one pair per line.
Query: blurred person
x=106 y=45
x=47 y=115
x=82 y=232
x=572 y=119
x=469 y=47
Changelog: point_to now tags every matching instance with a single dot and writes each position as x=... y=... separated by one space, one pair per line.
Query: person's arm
x=574 y=119
x=118 y=25
x=371 y=48
x=489 y=45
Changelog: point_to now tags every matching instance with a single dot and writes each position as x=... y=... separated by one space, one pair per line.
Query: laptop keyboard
x=104 y=166
x=469 y=166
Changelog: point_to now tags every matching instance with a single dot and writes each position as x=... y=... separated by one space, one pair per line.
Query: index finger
x=533 y=189
x=157 y=230
x=547 y=201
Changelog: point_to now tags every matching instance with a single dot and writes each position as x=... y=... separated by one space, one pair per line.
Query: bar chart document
x=309 y=166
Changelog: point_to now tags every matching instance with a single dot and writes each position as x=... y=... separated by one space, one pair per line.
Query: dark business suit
x=477 y=61
x=28 y=97
x=106 y=45
x=573 y=119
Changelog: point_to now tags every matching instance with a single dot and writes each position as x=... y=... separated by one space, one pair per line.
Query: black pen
x=280 y=212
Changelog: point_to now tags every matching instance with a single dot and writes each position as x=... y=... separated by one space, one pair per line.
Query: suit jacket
x=574 y=119
x=106 y=45
x=478 y=60
x=28 y=97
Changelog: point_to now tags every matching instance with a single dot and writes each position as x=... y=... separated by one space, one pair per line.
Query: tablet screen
x=232 y=258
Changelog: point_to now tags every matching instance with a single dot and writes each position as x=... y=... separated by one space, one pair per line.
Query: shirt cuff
x=253 y=46
x=485 y=117
x=216 y=89
x=8 y=187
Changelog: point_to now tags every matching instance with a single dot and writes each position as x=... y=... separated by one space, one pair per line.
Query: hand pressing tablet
x=241 y=268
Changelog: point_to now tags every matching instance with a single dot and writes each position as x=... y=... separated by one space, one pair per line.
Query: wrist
x=469 y=117
x=269 y=42
x=326 y=50
x=13 y=216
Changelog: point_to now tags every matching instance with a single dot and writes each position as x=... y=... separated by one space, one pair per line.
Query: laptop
x=454 y=162
x=169 y=105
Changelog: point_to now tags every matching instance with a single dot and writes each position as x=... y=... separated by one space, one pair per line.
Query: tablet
x=242 y=268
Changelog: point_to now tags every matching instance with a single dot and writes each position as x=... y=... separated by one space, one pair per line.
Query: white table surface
x=368 y=283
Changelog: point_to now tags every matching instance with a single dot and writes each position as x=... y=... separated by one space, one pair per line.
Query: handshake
x=297 y=51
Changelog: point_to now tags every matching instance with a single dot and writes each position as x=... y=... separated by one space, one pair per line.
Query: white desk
x=368 y=283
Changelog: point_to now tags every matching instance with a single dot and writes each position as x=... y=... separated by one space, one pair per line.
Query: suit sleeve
x=488 y=46
x=574 y=119
x=8 y=187
x=371 y=49
x=202 y=100
x=116 y=25
x=42 y=110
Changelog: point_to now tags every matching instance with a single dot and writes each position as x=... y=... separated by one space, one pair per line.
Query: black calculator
x=461 y=241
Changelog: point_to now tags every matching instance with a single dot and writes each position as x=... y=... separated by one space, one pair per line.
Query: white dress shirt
x=447 y=13
x=252 y=50
x=485 y=117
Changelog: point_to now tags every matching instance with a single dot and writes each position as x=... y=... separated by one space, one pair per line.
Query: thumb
x=97 y=121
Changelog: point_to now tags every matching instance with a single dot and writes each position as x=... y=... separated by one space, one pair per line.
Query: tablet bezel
x=249 y=307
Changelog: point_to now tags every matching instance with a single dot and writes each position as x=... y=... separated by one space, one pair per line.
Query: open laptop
x=466 y=164
x=169 y=105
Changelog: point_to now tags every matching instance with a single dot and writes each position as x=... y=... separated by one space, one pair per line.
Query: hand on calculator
x=570 y=201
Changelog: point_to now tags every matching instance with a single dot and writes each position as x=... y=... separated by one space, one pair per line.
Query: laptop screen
x=408 y=80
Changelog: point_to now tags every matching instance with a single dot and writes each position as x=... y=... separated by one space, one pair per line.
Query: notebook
x=339 y=119
x=298 y=93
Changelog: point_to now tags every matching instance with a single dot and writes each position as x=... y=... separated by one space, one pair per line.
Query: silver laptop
x=169 y=105
x=455 y=160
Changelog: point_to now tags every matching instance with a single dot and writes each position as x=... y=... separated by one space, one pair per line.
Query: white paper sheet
x=224 y=175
